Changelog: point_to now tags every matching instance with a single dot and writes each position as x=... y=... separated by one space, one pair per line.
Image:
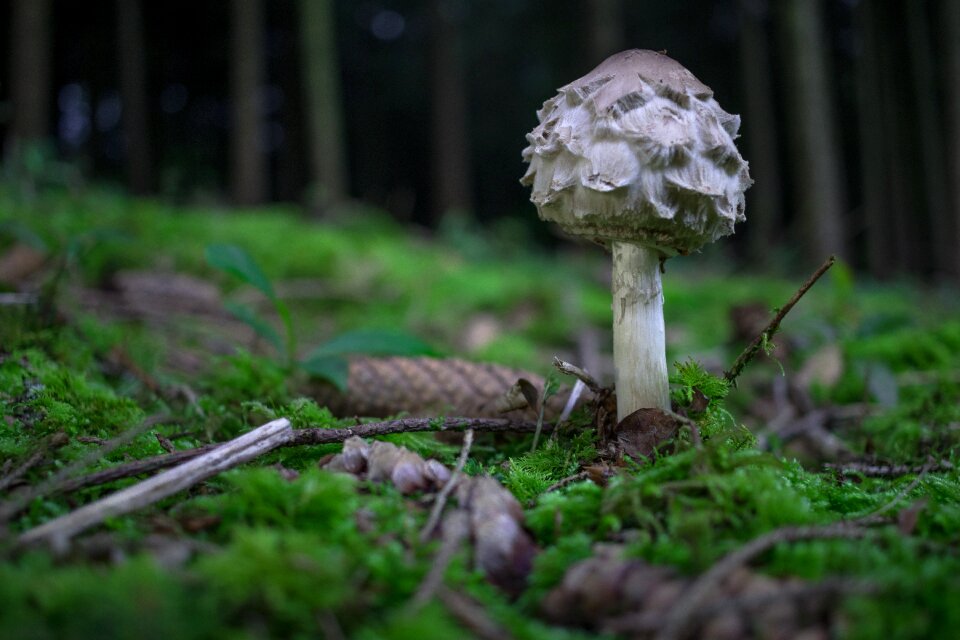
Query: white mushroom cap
x=638 y=151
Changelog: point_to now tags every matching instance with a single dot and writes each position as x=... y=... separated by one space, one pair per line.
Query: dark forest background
x=851 y=108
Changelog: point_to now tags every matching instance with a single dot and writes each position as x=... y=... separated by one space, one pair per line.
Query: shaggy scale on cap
x=638 y=151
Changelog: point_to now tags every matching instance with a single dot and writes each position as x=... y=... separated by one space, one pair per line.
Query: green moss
x=136 y=599
x=529 y=475
x=285 y=558
x=287 y=577
x=315 y=500
x=923 y=424
x=42 y=397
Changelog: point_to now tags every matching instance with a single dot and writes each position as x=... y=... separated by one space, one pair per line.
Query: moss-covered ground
x=261 y=552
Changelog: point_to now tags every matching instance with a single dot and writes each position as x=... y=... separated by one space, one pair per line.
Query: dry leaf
x=644 y=431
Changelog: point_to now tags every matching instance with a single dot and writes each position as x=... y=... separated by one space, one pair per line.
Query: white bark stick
x=639 y=342
x=58 y=532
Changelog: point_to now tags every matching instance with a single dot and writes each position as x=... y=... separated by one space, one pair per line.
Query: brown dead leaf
x=20 y=262
x=599 y=473
x=699 y=403
x=644 y=431
x=907 y=518
x=520 y=395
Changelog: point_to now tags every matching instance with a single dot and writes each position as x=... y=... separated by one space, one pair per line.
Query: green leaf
x=333 y=369
x=236 y=261
x=373 y=342
x=260 y=326
x=24 y=234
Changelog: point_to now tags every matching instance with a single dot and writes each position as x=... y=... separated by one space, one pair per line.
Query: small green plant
x=328 y=360
x=701 y=394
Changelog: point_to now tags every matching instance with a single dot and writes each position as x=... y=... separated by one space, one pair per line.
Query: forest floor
x=818 y=497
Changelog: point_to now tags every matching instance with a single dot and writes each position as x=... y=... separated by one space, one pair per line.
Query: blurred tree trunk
x=929 y=134
x=605 y=29
x=450 y=140
x=817 y=169
x=896 y=117
x=760 y=130
x=248 y=161
x=877 y=218
x=950 y=23
x=133 y=92
x=321 y=78
x=29 y=73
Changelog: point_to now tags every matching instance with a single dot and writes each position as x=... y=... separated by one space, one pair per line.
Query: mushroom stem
x=639 y=344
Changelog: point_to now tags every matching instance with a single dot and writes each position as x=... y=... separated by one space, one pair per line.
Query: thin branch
x=696 y=595
x=411 y=425
x=887 y=470
x=51 y=443
x=472 y=614
x=766 y=335
x=311 y=436
x=17 y=473
x=57 y=532
x=135 y=468
x=540 y=409
x=447 y=489
x=456 y=529
x=53 y=483
x=902 y=494
x=581 y=374
x=559 y=484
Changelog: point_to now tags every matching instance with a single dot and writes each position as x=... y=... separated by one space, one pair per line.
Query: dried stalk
x=456 y=529
x=766 y=335
x=580 y=374
x=447 y=489
x=472 y=614
x=58 y=532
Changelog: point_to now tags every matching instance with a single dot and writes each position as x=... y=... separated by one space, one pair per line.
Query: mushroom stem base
x=639 y=343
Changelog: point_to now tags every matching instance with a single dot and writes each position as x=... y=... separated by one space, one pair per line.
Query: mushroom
x=639 y=157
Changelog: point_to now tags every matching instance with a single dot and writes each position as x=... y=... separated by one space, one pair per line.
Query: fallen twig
x=58 y=532
x=581 y=374
x=681 y=616
x=135 y=468
x=411 y=425
x=55 y=441
x=472 y=614
x=447 y=489
x=559 y=484
x=55 y=482
x=902 y=494
x=309 y=436
x=456 y=529
x=766 y=335
x=873 y=470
